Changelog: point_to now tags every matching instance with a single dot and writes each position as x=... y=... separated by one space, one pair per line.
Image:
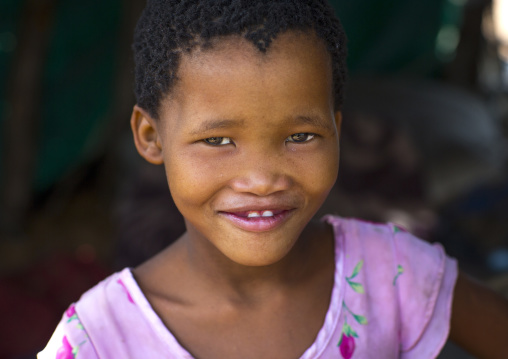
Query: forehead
x=232 y=74
x=235 y=47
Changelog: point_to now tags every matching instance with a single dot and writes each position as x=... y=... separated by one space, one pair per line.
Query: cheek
x=193 y=179
x=319 y=170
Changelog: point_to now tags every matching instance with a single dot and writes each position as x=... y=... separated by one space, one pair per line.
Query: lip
x=257 y=224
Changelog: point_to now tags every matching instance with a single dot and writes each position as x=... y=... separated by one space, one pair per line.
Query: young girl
x=240 y=100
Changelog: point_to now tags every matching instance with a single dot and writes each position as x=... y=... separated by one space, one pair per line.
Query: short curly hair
x=168 y=28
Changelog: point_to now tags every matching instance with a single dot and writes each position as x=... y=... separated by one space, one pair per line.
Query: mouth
x=258 y=220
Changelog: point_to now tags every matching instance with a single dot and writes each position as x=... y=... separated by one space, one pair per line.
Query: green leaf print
x=397 y=229
x=346 y=329
x=347 y=343
x=357 y=269
x=73 y=317
x=357 y=287
x=360 y=319
x=400 y=271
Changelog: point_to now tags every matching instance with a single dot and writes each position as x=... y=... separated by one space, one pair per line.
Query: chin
x=258 y=254
x=256 y=262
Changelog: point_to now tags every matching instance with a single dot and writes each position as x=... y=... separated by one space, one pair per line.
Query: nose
x=262 y=177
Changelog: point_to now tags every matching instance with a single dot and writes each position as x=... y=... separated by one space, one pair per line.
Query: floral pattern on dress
x=129 y=297
x=400 y=271
x=397 y=228
x=347 y=343
x=67 y=351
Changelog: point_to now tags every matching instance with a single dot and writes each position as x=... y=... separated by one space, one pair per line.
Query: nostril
x=261 y=184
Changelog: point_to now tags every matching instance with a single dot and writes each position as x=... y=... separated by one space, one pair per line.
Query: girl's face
x=250 y=144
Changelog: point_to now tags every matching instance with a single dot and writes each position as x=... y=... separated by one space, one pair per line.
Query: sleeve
x=424 y=282
x=70 y=340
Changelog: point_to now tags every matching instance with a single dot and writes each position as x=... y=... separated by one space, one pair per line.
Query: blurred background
x=423 y=145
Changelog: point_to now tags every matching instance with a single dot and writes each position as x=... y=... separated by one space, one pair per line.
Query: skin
x=479 y=321
x=222 y=289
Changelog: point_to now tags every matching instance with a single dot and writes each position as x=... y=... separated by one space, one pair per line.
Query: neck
x=222 y=275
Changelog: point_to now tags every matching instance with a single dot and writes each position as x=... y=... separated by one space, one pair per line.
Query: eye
x=300 y=137
x=218 y=141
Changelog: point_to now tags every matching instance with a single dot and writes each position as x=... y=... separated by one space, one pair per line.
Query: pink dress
x=391 y=299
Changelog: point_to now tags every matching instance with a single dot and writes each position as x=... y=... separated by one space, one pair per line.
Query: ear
x=338 y=121
x=146 y=137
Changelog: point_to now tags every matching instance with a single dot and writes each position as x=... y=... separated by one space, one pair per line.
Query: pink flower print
x=347 y=346
x=71 y=311
x=119 y=281
x=65 y=351
x=347 y=340
x=347 y=343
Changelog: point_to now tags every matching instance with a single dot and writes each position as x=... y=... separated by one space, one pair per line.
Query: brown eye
x=300 y=137
x=217 y=141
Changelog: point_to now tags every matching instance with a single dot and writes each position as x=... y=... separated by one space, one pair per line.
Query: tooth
x=253 y=215
x=267 y=214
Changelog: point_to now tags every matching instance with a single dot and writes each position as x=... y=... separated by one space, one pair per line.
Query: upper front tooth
x=267 y=214
x=253 y=215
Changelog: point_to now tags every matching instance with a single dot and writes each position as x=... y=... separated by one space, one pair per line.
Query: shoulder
x=414 y=278
x=76 y=334
x=388 y=247
x=360 y=238
x=383 y=238
x=112 y=319
x=354 y=228
x=70 y=339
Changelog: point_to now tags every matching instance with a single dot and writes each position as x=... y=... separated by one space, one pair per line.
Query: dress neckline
x=323 y=337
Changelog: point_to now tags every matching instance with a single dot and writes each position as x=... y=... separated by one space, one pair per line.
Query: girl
x=240 y=100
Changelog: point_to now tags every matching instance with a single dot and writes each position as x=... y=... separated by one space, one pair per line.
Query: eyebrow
x=217 y=124
x=313 y=121
x=228 y=123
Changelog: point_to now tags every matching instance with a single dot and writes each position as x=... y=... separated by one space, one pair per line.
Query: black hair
x=168 y=28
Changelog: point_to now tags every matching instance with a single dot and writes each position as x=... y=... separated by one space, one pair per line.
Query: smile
x=258 y=221
x=255 y=214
